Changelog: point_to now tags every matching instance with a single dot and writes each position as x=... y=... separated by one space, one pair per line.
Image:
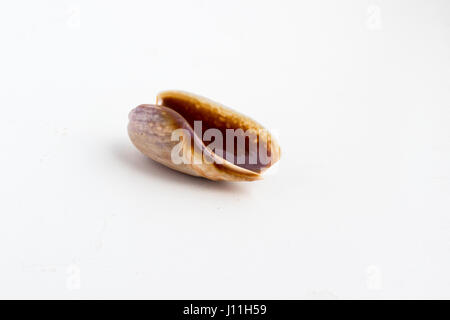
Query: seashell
x=169 y=131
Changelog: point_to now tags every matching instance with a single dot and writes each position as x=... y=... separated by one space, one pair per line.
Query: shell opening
x=249 y=149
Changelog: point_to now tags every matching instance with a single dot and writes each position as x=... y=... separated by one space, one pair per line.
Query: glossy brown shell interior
x=216 y=116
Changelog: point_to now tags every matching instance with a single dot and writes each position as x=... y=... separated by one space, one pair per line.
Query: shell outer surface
x=170 y=128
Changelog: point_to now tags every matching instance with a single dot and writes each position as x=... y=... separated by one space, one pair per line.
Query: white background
x=358 y=92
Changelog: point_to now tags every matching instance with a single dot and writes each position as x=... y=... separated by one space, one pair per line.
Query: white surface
x=358 y=92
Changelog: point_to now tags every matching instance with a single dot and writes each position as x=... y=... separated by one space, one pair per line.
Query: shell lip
x=143 y=114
